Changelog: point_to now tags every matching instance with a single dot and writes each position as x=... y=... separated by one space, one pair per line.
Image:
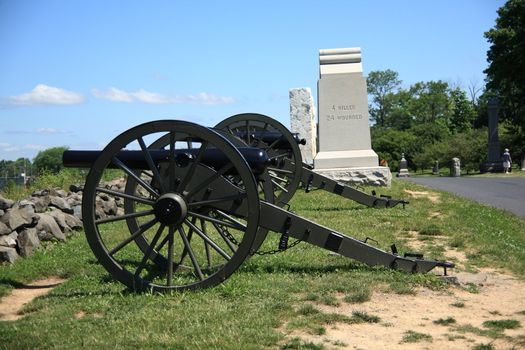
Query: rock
x=40 y=203
x=107 y=204
x=74 y=199
x=40 y=193
x=77 y=211
x=9 y=240
x=4 y=230
x=48 y=229
x=60 y=218
x=28 y=241
x=8 y=254
x=60 y=203
x=73 y=222
x=17 y=217
x=27 y=206
x=58 y=192
x=5 y=203
x=2 y=212
x=116 y=185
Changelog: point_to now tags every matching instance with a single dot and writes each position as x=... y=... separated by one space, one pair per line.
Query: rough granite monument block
x=344 y=132
x=302 y=120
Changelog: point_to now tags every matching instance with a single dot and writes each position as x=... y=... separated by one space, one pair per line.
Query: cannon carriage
x=199 y=201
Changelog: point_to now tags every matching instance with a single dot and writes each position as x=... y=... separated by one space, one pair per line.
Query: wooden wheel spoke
x=131 y=173
x=189 y=174
x=171 y=232
x=218 y=200
x=208 y=240
x=148 y=252
x=136 y=234
x=278 y=178
x=206 y=244
x=283 y=171
x=280 y=186
x=209 y=180
x=125 y=195
x=151 y=164
x=124 y=217
x=171 y=169
x=190 y=253
x=236 y=225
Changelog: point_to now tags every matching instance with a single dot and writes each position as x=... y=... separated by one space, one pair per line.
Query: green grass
x=502 y=324
x=267 y=296
x=445 y=321
x=416 y=337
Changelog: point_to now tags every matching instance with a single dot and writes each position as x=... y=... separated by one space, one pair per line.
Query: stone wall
x=47 y=215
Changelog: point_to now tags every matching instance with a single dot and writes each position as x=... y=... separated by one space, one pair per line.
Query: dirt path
x=462 y=312
x=11 y=305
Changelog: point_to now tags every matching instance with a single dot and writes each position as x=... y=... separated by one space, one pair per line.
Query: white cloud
x=34 y=147
x=143 y=96
x=45 y=95
x=51 y=131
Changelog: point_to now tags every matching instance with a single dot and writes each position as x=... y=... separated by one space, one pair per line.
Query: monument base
x=492 y=167
x=373 y=176
x=403 y=173
x=346 y=159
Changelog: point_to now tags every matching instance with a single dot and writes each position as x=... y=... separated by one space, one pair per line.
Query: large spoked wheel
x=261 y=131
x=264 y=187
x=185 y=209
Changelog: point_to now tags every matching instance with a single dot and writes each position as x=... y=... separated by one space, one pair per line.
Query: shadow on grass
x=20 y=285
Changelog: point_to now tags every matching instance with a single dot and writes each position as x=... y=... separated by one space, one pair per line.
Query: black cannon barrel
x=274 y=138
x=257 y=158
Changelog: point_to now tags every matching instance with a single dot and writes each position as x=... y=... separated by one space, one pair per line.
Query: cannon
x=196 y=203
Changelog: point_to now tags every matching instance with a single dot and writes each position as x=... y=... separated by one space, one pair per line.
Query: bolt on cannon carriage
x=199 y=201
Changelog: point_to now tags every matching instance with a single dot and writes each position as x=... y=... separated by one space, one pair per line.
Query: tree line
x=435 y=121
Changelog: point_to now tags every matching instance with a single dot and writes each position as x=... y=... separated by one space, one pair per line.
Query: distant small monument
x=494 y=163
x=344 y=143
x=455 y=168
x=403 y=169
x=435 y=168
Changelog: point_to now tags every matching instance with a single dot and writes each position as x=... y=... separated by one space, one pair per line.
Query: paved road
x=501 y=192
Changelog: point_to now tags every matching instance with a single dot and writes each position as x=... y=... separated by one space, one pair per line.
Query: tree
x=506 y=57
x=431 y=102
x=390 y=144
x=380 y=85
x=49 y=160
x=463 y=112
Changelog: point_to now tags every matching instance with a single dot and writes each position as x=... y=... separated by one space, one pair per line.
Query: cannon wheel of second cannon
x=286 y=174
x=183 y=195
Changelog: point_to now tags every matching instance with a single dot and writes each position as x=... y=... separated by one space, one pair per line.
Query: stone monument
x=302 y=120
x=523 y=162
x=403 y=169
x=493 y=163
x=455 y=168
x=345 y=150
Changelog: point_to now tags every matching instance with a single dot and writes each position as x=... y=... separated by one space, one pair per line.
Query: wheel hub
x=170 y=209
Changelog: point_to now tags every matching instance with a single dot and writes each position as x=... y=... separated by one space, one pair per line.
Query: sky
x=78 y=73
